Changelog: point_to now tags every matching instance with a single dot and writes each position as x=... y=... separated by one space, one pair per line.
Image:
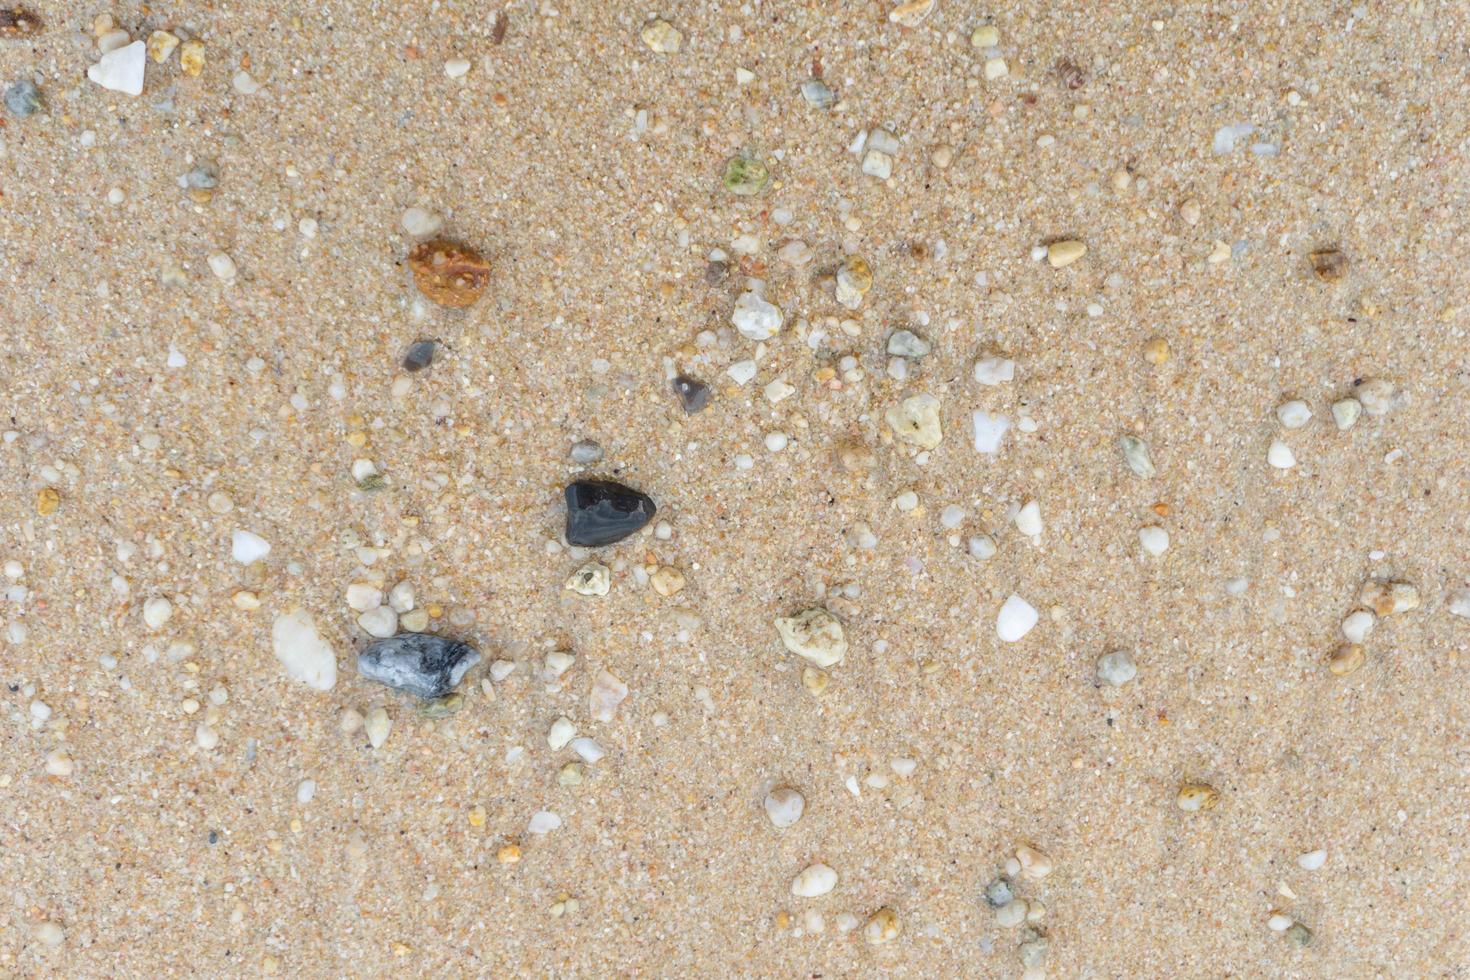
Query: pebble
x=1154 y=539
x=380 y=622
x=1156 y=351
x=587 y=750
x=1293 y=414
x=1280 y=455
x=815 y=681
x=23 y=98
x=741 y=372
x=543 y=822
x=608 y=691
x=1279 y=922
x=245 y=83
x=602 y=512
x=161 y=45
x=448 y=273
x=854 y=279
x=693 y=393
x=300 y=648
x=999 y=892
x=377 y=725
x=1028 y=519
x=592 y=579
x=1328 y=263
x=1035 y=865
x=990 y=431
x=121 y=70
x=401 y=597
x=247 y=547
x=222 y=266
x=59 y=764
x=562 y=731
x=755 y=318
x=915 y=420
x=421 y=223
x=815 y=635
x=1015 y=619
x=1136 y=454
x=905 y=343
x=997 y=68
x=1378 y=396
x=814 y=881
x=666 y=580
x=882 y=927
x=585 y=452
x=1459 y=603
x=206 y=738
x=191 y=57
x=1358 y=625
x=1312 y=860
x=1346 y=659
x=420 y=355
x=817 y=94
x=1011 y=914
x=420 y=663
x=662 y=37
x=305 y=791
x=457 y=67
x=912 y=13
x=157 y=611
x=361 y=596
x=1116 y=668
x=1387 y=598
x=984 y=36
x=50 y=934
x=1063 y=253
x=1299 y=935
x=1345 y=412
x=1194 y=797
x=745 y=175
x=994 y=371
x=981 y=546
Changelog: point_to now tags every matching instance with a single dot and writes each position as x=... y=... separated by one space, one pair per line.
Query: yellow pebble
x=1064 y=253
x=1156 y=351
x=1346 y=659
x=47 y=500
x=161 y=44
x=509 y=854
x=477 y=816
x=191 y=57
x=667 y=580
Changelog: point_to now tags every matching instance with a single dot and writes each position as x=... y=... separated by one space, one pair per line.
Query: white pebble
x=755 y=317
x=1358 y=625
x=58 y=763
x=307 y=657
x=1312 y=860
x=608 y=691
x=457 y=67
x=1460 y=603
x=401 y=598
x=982 y=546
x=1011 y=914
x=588 y=750
x=1155 y=540
x=776 y=441
x=1028 y=519
x=952 y=516
x=381 y=622
x=784 y=806
x=421 y=223
x=906 y=502
x=741 y=371
x=813 y=881
x=361 y=596
x=1015 y=620
x=206 y=738
x=1378 y=396
x=222 y=266
x=543 y=822
x=50 y=934
x=157 y=611
x=1293 y=414
x=563 y=730
x=990 y=430
x=247 y=547
x=377 y=725
x=1116 y=668
x=1280 y=455
x=994 y=370
x=305 y=790
x=1345 y=413
x=1279 y=922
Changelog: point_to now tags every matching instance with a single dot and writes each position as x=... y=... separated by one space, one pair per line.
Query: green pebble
x=746 y=176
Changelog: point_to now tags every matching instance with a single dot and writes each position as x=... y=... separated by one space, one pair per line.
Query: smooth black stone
x=419 y=356
x=419 y=663
x=600 y=512
x=693 y=393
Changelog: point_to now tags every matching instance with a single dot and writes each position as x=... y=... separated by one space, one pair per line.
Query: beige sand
x=156 y=856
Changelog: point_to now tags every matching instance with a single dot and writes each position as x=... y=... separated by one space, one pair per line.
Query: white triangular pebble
x=1016 y=618
x=121 y=70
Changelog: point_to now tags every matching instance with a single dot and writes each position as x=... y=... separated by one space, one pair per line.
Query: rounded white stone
x=784 y=806
x=813 y=881
x=157 y=611
x=1154 y=539
x=301 y=650
x=1116 y=668
x=1015 y=620
x=1312 y=860
x=1280 y=455
x=1293 y=414
x=381 y=622
x=1028 y=519
x=247 y=547
x=1358 y=625
x=755 y=317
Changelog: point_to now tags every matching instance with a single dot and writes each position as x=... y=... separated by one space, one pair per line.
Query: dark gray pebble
x=23 y=98
x=601 y=512
x=419 y=356
x=693 y=393
x=419 y=663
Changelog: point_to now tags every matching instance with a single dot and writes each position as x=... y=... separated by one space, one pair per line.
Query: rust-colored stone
x=448 y=273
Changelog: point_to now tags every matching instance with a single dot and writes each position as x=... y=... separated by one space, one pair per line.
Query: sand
x=151 y=822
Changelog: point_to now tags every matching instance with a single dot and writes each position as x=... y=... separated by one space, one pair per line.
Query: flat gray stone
x=419 y=663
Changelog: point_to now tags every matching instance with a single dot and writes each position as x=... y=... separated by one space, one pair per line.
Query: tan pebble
x=815 y=681
x=1387 y=598
x=58 y=764
x=246 y=600
x=570 y=774
x=662 y=37
x=508 y=854
x=477 y=816
x=191 y=57
x=415 y=620
x=985 y=36
x=1194 y=797
x=667 y=580
x=1064 y=253
x=1034 y=864
x=1219 y=253
x=882 y=927
x=161 y=44
x=1346 y=659
x=349 y=721
x=1190 y=212
x=912 y=13
x=942 y=156
x=1328 y=263
x=47 y=500
x=1156 y=350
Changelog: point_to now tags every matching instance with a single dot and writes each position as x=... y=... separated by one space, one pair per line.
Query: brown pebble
x=1197 y=796
x=1329 y=264
x=856 y=457
x=18 y=22
x=1346 y=659
x=1156 y=350
x=448 y=273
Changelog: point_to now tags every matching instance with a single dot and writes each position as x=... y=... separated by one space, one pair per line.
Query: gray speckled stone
x=419 y=663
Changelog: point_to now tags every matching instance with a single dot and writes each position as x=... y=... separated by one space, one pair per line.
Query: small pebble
x=1346 y=659
x=1345 y=412
x=1011 y=914
x=817 y=94
x=1028 y=519
x=1279 y=922
x=1154 y=539
x=23 y=98
x=585 y=452
x=424 y=664
x=667 y=580
x=1035 y=865
x=1156 y=351
x=882 y=927
x=999 y=892
x=457 y=67
x=420 y=355
x=981 y=546
x=1387 y=598
x=1015 y=619
x=603 y=512
x=1293 y=414
x=1116 y=668
x=377 y=725
x=984 y=36
x=662 y=37
x=1136 y=454
x=814 y=635
x=1312 y=860
x=1328 y=263
x=222 y=266
x=755 y=318
x=380 y=622
x=1195 y=797
x=992 y=371
x=157 y=611
x=421 y=223
x=247 y=547
x=1358 y=625
x=608 y=691
x=814 y=881
x=1459 y=603
x=121 y=69
x=693 y=394
x=59 y=764
x=1299 y=935
x=905 y=343
x=1064 y=253
x=592 y=579
x=1378 y=396
x=1280 y=455
x=915 y=421
x=745 y=176
x=989 y=431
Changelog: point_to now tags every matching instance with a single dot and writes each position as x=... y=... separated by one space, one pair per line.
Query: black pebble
x=693 y=393
x=419 y=356
x=600 y=512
